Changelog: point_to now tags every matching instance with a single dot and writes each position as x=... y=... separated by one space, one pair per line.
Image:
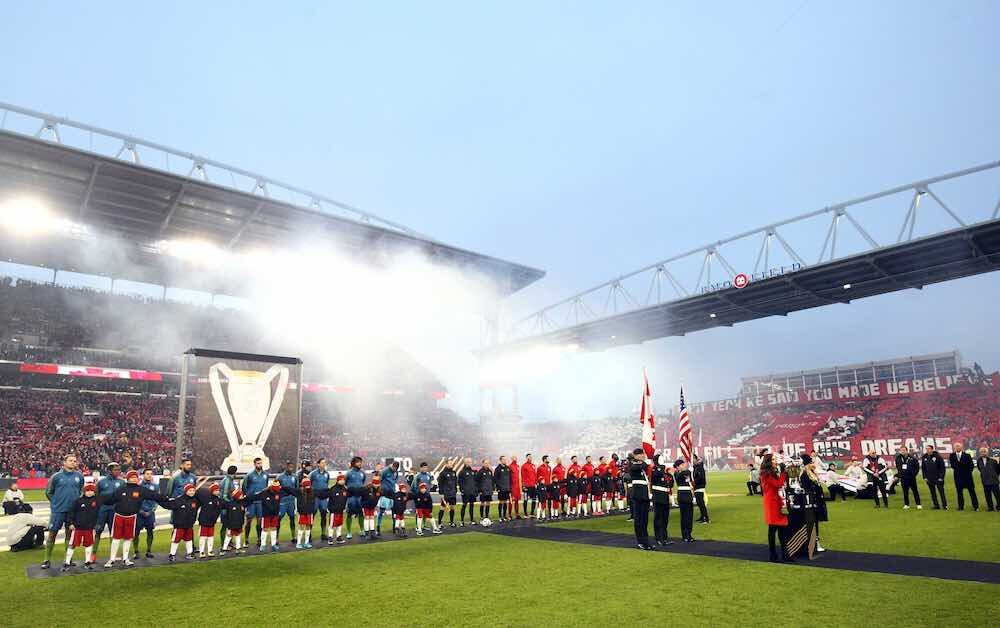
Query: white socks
x=126 y=551
x=336 y=531
x=69 y=555
x=201 y=544
x=173 y=549
x=115 y=543
x=189 y=545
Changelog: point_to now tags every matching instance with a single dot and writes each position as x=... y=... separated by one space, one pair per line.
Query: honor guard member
x=662 y=484
x=640 y=499
x=700 y=480
x=932 y=469
x=629 y=459
x=685 y=498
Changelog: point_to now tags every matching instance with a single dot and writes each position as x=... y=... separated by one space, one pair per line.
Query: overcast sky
x=586 y=139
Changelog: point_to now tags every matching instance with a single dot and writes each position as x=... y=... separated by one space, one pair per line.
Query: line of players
x=127 y=506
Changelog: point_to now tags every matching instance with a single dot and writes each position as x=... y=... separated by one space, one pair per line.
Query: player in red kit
x=528 y=479
x=515 y=487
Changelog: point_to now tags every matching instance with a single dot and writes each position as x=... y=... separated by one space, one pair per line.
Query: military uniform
x=662 y=485
x=700 y=480
x=685 y=501
x=640 y=503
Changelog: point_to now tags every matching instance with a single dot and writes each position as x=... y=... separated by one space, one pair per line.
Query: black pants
x=661 y=517
x=971 y=487
x=33 y=539
x=910 y=485
x=838 y=490
x=779 y=532
x=752 y=488
x=687 y=519
x=992 y=496
x=878 y=487
x=937 y=489
x=640 y=521
x=702 y=508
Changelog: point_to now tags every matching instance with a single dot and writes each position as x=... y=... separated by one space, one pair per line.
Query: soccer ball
x=486 y=522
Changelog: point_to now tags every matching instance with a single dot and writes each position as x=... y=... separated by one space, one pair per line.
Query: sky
x=587 y=139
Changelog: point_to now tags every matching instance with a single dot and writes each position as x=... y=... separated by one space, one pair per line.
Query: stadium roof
x=953 y=357
x=119 y=196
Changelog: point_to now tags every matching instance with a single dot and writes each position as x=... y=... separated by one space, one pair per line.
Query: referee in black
x=640 y=499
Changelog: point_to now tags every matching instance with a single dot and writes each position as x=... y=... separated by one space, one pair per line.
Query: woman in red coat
x=771 y=482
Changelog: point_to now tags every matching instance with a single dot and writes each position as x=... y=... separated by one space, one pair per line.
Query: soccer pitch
x=484 y=579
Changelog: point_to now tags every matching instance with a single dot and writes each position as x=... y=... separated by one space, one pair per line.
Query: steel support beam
x=172 y=208
x=85 y=203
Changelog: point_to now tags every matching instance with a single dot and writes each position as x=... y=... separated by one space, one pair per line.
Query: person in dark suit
x=989 y=475
x=932 y=468
x=961 y=468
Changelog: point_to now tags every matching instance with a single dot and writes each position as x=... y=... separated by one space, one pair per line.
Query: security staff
x=907 y=467
x=700 y=481
x=662 y=484
x=640 y=499
x=685 y=498
x=932 y=469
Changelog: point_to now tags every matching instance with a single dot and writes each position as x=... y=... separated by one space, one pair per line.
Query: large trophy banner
x=245 y=407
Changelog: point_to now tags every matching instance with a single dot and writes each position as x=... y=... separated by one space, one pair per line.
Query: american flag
x=684 y=421
x=648 y=419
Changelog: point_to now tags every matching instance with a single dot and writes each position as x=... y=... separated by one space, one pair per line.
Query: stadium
x=229 y=398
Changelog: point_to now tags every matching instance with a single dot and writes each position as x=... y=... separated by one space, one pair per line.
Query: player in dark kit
x=501 y=477
x=305 y=502
x=82 y=519
x=572 y=491
x=424 y=506
x=640 y=499
x=470 y=489
x=542 y=497
x=447 y=482
x=685 y=498
x=484 y=480
x=338 y=495
x=661 y=483
x=369 y=504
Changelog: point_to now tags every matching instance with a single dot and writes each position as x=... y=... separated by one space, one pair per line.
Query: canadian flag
x=648 y=419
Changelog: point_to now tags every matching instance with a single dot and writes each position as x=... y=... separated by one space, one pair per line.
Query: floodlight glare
x=29 y=216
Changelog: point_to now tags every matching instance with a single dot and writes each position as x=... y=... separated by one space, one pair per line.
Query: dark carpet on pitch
x=945 y=568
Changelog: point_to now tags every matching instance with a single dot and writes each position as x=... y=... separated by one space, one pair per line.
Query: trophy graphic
x=249 y=413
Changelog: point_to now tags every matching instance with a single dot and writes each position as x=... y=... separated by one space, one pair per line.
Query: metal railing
x=131 y=149
x=613 y=297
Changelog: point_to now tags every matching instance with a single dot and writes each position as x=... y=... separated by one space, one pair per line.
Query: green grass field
x=488 y=580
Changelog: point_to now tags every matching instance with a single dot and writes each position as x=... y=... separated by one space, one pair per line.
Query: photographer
x=13 y=498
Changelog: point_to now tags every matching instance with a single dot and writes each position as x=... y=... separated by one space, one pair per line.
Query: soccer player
x=82 y=519
x=320 y=480
x=618 y=488
x=62 y=491
x=583 y=482
x=254 y=483
x=233 y=517
x=470 y=489
x=147 y=515
x=286 y=508
x=605 y=497
x=448 y=489
x=229 y=485
x=515 y=488
x=484 y=480
x=528 y=482
x=125 y=503
x=106 y=486
x=389 y=478
x=501 y=478
x=423 y=504
x=181 y=478
x=270 y=503
x=355 y=479
x=209 y=509
x=399 y=499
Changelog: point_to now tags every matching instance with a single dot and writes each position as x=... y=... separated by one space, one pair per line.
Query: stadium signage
x=856 y=447
x=857 y=391
x=742 y=280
